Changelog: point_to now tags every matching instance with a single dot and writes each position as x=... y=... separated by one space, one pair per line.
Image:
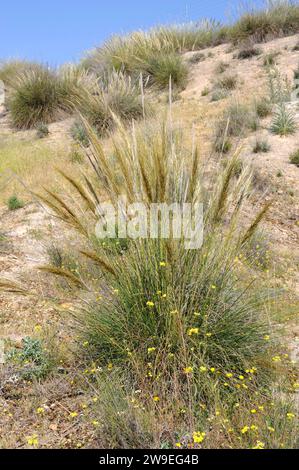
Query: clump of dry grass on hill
x=40 y=95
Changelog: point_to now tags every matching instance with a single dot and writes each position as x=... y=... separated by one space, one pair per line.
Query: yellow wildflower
x=245 y=429
x=193 y=331
x=95 y=422
x=253 y=411
x=40 y=410
x=198 y=437
x=150 y=350
x=32 y=440
x=212 y=369
x=266 y=337
x=203 y=369
x=150 y=304
x=188 y=370
x=290 y=415
x=229 y=374
x=162 y=263
x=73 y=414
x=156 y=398
x=178 y=444
x=259 y=445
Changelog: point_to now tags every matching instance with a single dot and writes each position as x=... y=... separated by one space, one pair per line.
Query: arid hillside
x=230 y=104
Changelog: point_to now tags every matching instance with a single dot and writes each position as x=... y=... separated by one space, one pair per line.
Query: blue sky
x=57 y=31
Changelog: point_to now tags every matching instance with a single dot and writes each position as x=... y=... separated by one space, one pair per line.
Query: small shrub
x=258 y=251
x=223 y=147
x=197 y=57
x=253 y=122
x=79 y=133
x=294 y=158
x=33 y=361
x=263 y=107
x=283 y=122
x=248 y=52
x=219 y=94
x=14 y=203
x=270 y=59
x=221 y=67
x=227 y=82
x=279 y=87
x=261 y=146
x=42 y=131
x=76 y=155
x=234 y=122
x=205 y=91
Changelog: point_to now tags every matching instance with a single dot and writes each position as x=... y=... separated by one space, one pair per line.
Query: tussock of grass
x=284 y=122
x=36 y=99
x=235 y=121
x=247 y=52
x=178 y=320
x=117 y=94
x=261 y=146
x=263 y=107
x=11 y=69
x=278 y=19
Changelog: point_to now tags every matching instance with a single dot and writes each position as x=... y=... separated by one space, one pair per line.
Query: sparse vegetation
x=234 y=123
x=221 y=67
x=270 y=59
x=261 y=146
x=205 y=91
x=249 y=52
x=79 y=134
x=42 y=131
x=197 y=57
x=219 y=94
x=263 y=107
x=294 y=158
x=227 y=82
x=279 y=87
